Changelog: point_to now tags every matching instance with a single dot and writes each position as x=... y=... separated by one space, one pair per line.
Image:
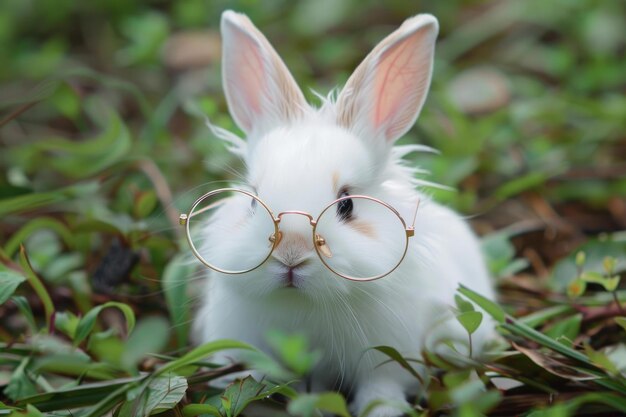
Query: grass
x=102 y=143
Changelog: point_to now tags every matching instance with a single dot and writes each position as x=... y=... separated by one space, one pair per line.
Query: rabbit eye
x=345 y=207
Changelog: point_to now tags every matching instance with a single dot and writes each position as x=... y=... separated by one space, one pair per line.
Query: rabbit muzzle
x=293 y=249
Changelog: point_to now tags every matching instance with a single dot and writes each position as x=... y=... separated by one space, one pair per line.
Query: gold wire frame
x=318 y=241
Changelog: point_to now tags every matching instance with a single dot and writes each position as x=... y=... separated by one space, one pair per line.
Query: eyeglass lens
x=369 y=242
x=230 y=231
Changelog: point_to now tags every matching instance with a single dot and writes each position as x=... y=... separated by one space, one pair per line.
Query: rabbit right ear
x=384 y=96
x=260 y=91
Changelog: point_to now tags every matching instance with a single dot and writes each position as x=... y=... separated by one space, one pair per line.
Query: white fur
x=294 y=157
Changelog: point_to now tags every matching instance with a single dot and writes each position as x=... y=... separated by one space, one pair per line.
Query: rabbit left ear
x=385 y=94
x=260 y=91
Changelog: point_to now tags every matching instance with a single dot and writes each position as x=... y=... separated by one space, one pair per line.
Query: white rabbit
x=302 y=158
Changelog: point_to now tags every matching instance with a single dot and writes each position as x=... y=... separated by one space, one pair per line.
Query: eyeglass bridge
x=320 y=242
x=297 y=212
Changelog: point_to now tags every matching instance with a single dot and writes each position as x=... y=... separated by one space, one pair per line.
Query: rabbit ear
x=260 y=91
x=385 y=94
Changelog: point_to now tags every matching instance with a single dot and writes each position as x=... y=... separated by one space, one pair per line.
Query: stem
x=15 y=113
x=470 y=345
x=619 y=305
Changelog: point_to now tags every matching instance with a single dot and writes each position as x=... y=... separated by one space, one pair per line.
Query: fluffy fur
x=296 y=157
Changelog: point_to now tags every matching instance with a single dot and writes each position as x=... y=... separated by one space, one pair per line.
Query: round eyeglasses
x=357 y=237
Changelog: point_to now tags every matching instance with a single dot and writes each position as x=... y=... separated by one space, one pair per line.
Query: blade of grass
x=523 y=330
x=111 y=400
x=493 y=309
x=32 y=226
x=542 y=316
x=82 y=395
x=201 y=352
x=87 y=323
x=38 y=286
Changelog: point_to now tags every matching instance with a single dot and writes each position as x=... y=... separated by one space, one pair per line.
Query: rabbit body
x=302 y=158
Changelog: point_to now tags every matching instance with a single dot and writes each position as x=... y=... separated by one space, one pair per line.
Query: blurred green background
x=103 y=141
x=103 y=102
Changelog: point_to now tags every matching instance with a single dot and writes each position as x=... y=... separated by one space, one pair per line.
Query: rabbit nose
x=292 y=249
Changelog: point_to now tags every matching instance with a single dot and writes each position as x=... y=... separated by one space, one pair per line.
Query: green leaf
x=25 y=311
x=593 y=277
x=601 y=360
x=38 y=286
x=147 y=32
x=30 y=411
x=558 y=410
x=462 y=304
x=493 y=309
x=87 y=323
x=66 y=322
x=174 y=285
x=470 y=320
x=456 y=378
x=394 y=355
x=161 y=394
x=610 y=399
x=621 y=321
x=66 y=100
x=569 y=328
x=305 y=405
x=402 y=407
x=193 y=410
x=9 y=281
x=498 y=251
x=293 y=350
x=468 y=392
x=240 y=394
x=20 y=385
x=145 y=204
x=266 y=364
x=150 y=336
x=595 y=252
x=513 y=267
x=611 y=283
x=237 y=396
x=97 y=226
x=76 y=364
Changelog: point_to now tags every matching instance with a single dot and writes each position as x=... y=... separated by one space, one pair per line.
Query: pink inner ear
x=247 y=81
x=400 y=83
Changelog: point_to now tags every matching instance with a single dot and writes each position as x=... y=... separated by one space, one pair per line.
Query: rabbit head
x=301 y=158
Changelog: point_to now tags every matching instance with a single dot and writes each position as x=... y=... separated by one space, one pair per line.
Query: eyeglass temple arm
x=184 y=217
x=411 y=229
